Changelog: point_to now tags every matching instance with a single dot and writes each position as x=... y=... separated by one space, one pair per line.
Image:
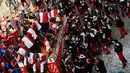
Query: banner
x=55 y=63
x=59 y=56
x=60 y=38
x=52 y=66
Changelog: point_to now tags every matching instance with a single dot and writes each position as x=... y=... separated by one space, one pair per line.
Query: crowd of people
x=28 y=38
x=86 y=39
x=26 y=34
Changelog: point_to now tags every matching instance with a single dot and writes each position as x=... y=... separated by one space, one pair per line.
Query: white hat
x=117 y=44
x=104 y=36
x=89 y=9
x=94 y=18
x=82 y=34
x=70 y=46
x=73 y=25
x=81 y=56
x=86 y=19
x=73 y=38
x=73 y=17
x=121 y=0
x=92 y=35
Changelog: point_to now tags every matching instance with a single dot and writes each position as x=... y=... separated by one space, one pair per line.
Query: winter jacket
x=118 y=47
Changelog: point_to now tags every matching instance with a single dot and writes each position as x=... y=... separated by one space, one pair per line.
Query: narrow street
x=111 y=61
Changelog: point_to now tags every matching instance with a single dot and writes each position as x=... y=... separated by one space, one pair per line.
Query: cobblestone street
x=111 y=61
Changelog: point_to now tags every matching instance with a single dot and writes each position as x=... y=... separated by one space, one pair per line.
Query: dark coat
x=22 y=0
x=101 y=67
x=118 y=48
x=98 y=5
x=91 y=39
x=107 y=31
x=38 y=3
x=103 y=40
x=95 y=25
x=79 y=66
x=119 y=23
x=88 y=68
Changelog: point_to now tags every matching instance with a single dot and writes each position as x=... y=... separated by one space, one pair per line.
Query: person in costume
x=118 y=48
x=120 y=24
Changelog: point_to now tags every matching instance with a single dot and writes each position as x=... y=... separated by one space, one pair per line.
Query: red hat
x=43 y=58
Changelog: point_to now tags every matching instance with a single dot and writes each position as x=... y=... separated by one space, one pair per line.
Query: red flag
x=53 y=13
x=43 y=17
x=46 y=44
x=33 y=33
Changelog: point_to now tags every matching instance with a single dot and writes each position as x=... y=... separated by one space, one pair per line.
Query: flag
x=53 y=25
x=28 y=42
x=53 y=13
x=43 y=17
x=46 y=45
x=23 y=49
x=37 y=24
x=33 y=33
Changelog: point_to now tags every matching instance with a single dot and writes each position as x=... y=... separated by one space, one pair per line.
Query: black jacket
x=101 y=67
x=88 y=68
x=118 y=48
x=103 y=40
x=119 y=23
